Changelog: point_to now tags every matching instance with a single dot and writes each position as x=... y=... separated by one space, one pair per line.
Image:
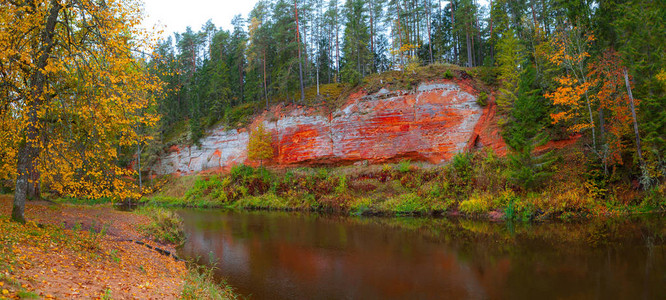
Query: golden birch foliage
x=259 y=145
x=569 y=97
x=97 y=96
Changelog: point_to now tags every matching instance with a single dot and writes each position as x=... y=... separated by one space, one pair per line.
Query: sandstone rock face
x=431 y=124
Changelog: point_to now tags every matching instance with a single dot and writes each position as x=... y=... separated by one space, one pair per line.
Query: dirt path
x=82 y=252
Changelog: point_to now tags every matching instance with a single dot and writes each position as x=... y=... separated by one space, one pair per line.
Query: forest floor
x=75 y=251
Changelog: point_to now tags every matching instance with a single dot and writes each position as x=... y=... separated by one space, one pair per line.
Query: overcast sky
x=176 y=15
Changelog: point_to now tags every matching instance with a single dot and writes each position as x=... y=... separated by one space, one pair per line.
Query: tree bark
x=470 y=62
x=265 y=89
x=428 y=7
x=633 y=116
x=28 y=151
x=492 y=45
x=455 y=46
x=300 y=63
x=397 y=7
x=372 y=34
x=337 y=46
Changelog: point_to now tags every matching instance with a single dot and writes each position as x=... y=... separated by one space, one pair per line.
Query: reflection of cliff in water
x=280 y=255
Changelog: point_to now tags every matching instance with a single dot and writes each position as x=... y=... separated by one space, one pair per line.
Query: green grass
x=200 y=284
x=407 y=204
x=472 y=183
x=165 y=226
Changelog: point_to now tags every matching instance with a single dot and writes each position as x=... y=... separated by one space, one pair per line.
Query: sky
x=175 y=15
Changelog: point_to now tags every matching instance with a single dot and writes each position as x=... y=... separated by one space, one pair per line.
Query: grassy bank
x=73 y=251
x=477 y=184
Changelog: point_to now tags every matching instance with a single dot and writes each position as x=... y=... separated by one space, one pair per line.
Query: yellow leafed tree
x=572 y=103
x=259 y=147
x=76 y=93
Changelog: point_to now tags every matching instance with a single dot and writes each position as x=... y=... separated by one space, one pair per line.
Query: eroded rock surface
x=431 y=124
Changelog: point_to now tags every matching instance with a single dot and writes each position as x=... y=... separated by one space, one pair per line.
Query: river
x=278 y=255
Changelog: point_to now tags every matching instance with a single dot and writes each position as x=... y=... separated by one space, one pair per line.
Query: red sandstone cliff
x=431 y=123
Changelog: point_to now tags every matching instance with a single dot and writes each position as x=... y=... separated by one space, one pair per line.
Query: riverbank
x=477 y=184
x=79 y=251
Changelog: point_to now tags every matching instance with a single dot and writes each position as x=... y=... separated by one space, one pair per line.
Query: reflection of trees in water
x=315 y=255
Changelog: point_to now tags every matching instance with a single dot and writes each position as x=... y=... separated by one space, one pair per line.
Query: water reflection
x=308 y=256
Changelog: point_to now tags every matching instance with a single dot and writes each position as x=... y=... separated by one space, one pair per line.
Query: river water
x=276 y=255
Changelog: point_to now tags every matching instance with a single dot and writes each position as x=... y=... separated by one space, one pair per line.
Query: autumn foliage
x=259 y=146
x=74 y=95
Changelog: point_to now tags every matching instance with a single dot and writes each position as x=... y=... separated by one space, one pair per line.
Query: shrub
x=342 y=185
x=482 y=100
x=163 y=201
x=404 y=166
x=241 y=172
x=476 y=204
x=448 y=74
x=239 y=115
x=655 y=198
x=165 y=226
x=360 y=206
x=268 y=200
x=406 y=204
x=210 y=187
x=200 y=284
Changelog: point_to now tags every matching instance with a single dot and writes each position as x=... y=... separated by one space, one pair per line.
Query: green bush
x=211 y=187
x=404 y=166
x=163 y=201
x=407 y=204
x=341 y=188
x=165 y=226
x=241 y=172
x=200 y=284
x=482 y=100
x=359 y=206
x=240 y=115
x=476 y=204
x=267 y=201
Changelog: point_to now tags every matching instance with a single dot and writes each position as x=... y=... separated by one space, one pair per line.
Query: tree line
x=80 y=100
x=560 y=67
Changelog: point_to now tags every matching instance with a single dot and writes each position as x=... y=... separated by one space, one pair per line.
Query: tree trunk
x=428 y=7
x=265 y=89
x=337 y=46
x=28 y=151
x=21 y=190
x=300 y=63
x=372 y=35
x=633 y=116
x=469 y=49
x=602 y=133
x=33 y=184
x=305 y=50
x=492 y=44
x=455 y=44
x=138 y=160
x=397 y=6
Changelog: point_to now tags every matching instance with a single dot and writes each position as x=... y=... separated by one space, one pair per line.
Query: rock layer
x=432 y=123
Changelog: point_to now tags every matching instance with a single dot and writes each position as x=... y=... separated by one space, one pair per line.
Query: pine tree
x=509 y=60
x=524 y=132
